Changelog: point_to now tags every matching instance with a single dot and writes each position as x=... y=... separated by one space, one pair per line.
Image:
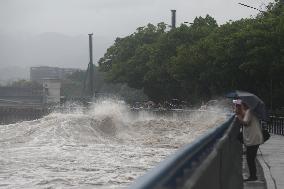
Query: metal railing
x=275 y=125
x=212 y=161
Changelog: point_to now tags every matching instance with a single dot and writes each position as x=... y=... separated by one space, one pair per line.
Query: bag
x=265 y=135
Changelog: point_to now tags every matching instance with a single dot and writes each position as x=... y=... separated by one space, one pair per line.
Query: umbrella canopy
x=253 y=102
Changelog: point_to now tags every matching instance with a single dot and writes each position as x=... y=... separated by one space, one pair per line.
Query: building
x=39 y=73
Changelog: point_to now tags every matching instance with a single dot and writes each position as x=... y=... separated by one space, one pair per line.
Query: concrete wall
x=20 y=91
x=10 y=115
x=20 y=95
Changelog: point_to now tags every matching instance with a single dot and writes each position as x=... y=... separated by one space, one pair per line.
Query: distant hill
x=21 y=51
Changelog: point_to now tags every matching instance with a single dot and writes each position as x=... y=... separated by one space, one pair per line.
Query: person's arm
x=247 y=118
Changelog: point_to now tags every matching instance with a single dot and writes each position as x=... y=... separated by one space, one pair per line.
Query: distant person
x=252 y=135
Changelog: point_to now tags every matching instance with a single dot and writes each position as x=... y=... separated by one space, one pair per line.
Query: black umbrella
x=253 y=102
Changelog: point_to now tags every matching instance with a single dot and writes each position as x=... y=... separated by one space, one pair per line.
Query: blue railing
x=212 y=161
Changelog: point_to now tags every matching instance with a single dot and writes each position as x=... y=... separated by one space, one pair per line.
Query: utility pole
x=91 y=65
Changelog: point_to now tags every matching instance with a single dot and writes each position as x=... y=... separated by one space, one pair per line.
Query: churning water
x=107 y=146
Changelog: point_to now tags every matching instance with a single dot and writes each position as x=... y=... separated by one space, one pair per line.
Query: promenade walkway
x=270 y=165
x=271 y=158
x=260 y=183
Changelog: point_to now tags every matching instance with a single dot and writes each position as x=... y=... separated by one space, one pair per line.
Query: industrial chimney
x=91 y=67
x=173 y=19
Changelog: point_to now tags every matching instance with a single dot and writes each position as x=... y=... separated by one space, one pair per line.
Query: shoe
x=250 y=179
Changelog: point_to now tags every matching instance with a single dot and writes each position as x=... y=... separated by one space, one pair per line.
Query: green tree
x=203 y=60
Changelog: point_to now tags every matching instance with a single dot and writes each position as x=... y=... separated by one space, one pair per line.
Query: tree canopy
x=200 y=61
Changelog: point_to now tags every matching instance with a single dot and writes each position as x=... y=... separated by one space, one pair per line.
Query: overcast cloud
x=111 y=17
x=23 y=22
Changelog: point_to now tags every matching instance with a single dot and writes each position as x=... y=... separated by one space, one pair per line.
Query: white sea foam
x=106 y=146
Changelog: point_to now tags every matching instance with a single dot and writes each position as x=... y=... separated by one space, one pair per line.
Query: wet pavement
x=270 y=165
x=260 y=183
x=271 y=157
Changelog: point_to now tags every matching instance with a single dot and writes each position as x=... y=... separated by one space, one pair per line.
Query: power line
x=251 y=7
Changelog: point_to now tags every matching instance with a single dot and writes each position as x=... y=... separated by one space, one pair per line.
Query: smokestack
x=173 y=19
x=91 y=47
x=91 y=66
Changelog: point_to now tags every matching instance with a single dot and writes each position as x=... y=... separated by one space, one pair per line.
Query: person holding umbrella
x=252 y=132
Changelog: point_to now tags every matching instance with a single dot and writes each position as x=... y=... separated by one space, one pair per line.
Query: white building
x=51 y=91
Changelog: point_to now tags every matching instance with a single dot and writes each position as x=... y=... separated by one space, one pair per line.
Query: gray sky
x=111 y=17
x=54 y=32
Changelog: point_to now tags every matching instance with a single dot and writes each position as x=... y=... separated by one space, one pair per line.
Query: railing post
x=282 y=126
x=274 y=126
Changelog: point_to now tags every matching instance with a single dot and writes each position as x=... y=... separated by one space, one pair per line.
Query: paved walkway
x=260 y=183
x=270 y=165
x=271 y=158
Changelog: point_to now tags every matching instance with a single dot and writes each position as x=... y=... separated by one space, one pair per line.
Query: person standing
x=252 y=137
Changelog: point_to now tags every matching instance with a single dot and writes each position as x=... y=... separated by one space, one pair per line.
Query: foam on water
x=107 y=146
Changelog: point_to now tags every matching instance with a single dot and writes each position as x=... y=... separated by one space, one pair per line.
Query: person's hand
x=239 y=116
x=238 y=109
